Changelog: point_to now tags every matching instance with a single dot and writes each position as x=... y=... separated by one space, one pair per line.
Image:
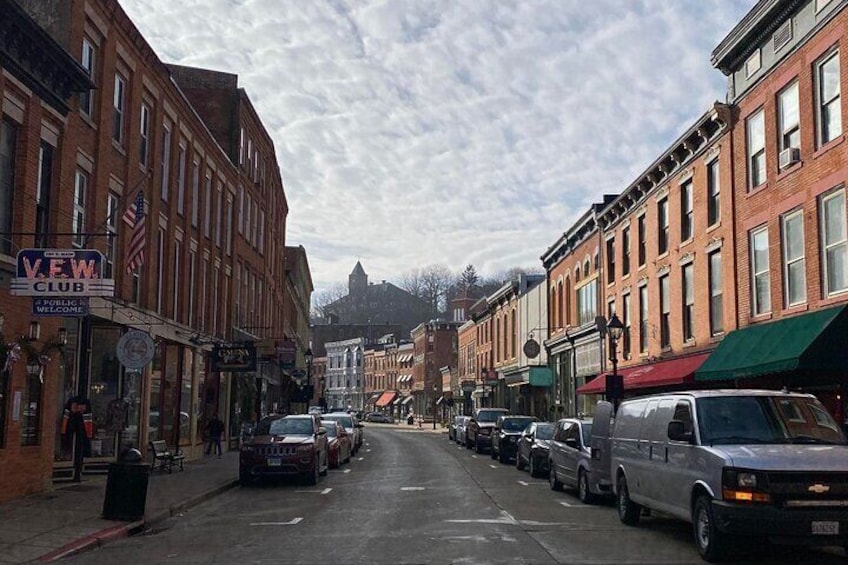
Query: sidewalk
x=48 y=526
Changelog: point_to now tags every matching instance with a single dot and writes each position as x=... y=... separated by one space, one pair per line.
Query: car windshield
x=544 y=431
x=766 y=419
x=345 y=421
x=291 y=426
x=330 y=427
x=587 y=433
x=515 y=424
x=489 y=415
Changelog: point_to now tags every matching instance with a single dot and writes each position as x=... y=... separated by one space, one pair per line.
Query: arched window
x=567 y=317
x=348 y=358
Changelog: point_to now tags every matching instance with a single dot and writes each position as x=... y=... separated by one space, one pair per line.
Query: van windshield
x=766 y=419
x=489 y=415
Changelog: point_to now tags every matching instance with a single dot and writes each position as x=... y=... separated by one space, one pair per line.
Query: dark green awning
x=814 y=341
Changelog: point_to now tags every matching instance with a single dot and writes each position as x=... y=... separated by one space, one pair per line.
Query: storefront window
x=4 y=402
x=132 y=404
x=67 y=362
x=185 y=396
x=155 y=392
x=170 y=390
x=104 y=389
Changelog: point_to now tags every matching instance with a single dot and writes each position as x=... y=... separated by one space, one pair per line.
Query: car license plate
x=825 y=528
x=274 y=461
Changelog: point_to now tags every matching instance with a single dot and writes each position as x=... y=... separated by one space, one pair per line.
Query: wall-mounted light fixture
x=34 y=330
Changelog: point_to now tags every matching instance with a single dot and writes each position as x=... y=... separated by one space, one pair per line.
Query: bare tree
x=412 y=283
x=436 y=280
x=322 y=300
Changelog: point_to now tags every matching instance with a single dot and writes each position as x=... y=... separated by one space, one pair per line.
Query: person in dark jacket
x=78 y=428
x=214 y=432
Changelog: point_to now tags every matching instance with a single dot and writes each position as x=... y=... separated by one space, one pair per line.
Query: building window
x=119 y=101
x=610 y=260
x=175 y=288
x=166 y=159
x=261 y=232
x=642 y=240
x=216 y=277
x=625 y=319
x=665 y=312
x=662 y=226
x=247 y=210
x=112 y=201
x=181 y=170
x=834 y=243
x=86 y=98
x=794 y=265
x=8 y=148
x=240 y=224
x=207 y=204
x=241 y=147
x=761 y=285
x=219 y=205
x=713 y=193
x=716 y=305
x=229 y=241
x=625 y=251
x=688 y=302
x=31 y=410
x=160 y=269
x=643 y=319
x=753 y=64
x=144 y=135
x=788 y=120
x=192 y=282
x=687 y=223
x=756 y=149
x=42 y=197
x=195 y=191
x=828 y=110
x=587 y=302
x=80 y=197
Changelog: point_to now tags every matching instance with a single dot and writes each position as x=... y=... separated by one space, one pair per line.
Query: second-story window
x=587 y=302
x=643 y=319
x=143 y=134
x=112 y=232
x=86 y=98
x=756 y=149
x=80 y=198
x=828 y=109
x=834 y=237
x=611 y=260
x=625 y=251
x=688 y=302
x=625 y=319
x=716 y=292
x=42 y=197
x=760 y=282
x=713 y=193
x=687 y=223
x=195 y=191
x=662 y=226
x=120 y=105
x=788 y=118
x=794 y=274
x=642 y=240
x=665 y=312
x=207 y=203
x=181 y=171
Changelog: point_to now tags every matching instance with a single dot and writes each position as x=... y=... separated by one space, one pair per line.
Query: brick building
x=434 y=347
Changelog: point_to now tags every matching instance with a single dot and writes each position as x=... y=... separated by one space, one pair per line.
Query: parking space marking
x=327 y=491
x=579 y=505
x=360 y=459
x=412 y=488
x=474 y=457
x=346 y=471
x=291 y=522
x=493 y=466
x=367 y=451
x=525 y=483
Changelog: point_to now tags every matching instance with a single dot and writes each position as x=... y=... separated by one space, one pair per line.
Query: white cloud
x=412 y=132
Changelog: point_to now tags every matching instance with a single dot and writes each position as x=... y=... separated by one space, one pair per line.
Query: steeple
x=357 y=281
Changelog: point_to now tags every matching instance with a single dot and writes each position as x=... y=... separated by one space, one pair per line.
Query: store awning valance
x=407 y=400
x=541 y=376
x=663 y=373
x=386 y=398
x=814 y=341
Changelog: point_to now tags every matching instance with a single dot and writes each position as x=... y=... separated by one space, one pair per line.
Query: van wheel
x=712 y=544
x=586 y=496
x=555 y=484
x=628 y=511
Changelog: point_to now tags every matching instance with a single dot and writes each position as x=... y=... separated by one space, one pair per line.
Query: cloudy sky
x=414 y=132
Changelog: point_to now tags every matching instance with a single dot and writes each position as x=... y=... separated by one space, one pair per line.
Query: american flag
x=134 y=217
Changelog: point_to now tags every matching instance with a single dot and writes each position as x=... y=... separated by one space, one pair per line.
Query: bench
x=163 y=458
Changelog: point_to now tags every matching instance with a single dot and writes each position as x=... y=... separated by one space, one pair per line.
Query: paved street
x=413 y=497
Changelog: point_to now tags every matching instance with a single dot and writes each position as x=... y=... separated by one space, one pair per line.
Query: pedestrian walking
x=78 y=427
x=214 y=431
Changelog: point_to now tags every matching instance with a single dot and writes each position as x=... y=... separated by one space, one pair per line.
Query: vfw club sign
x=61 y=272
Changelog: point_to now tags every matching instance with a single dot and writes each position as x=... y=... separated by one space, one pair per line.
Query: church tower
x=357 y=281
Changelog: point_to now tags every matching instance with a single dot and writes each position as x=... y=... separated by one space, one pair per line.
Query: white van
x=734 y=463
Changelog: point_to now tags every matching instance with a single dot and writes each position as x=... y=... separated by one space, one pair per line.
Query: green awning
x=541 y=376
x=814 y=341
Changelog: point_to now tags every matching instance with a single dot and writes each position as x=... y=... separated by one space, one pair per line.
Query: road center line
x=360 y=459
x=493 y=466
x=346 y=471
x=412 y=488
x=327 y=491
x=291 y=522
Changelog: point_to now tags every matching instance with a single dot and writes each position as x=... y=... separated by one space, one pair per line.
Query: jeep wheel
x=492 y=453
x=555 y=484
x=585 y=495
x=503 y=457
x=327 y=466
x=518 y=463
x=312 y=477
x=244 y=478
x=712 y=544
x=628 y=511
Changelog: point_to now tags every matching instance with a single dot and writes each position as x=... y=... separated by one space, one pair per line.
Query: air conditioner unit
x=788 y=157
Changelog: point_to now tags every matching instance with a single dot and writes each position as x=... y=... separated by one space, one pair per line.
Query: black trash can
x=410 y=420
x=126 y=491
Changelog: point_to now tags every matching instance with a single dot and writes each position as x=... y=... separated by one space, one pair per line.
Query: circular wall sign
x=135 y=349
x=531 y=348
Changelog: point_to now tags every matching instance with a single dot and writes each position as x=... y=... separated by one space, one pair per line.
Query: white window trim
x=787 y=261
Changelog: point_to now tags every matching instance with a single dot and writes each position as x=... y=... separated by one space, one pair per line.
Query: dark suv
x=506 y=434
x=283 y=446
x=479 y=428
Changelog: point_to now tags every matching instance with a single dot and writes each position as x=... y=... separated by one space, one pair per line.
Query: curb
x=98 y=539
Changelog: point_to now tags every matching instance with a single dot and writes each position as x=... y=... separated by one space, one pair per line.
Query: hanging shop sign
x=468 y=386
x=59 y=307
x=135 y=349
x=233 y=358
x=60 y=273
x=287 y=354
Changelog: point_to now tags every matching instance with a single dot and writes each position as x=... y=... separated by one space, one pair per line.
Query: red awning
x=386 y=398
x=663 y=373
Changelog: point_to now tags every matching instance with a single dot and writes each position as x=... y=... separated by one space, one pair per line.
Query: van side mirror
x=677 y=432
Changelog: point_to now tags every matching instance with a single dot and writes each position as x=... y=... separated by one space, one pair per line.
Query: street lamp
x=615 y=384
x=435 y=400
x=484 y=376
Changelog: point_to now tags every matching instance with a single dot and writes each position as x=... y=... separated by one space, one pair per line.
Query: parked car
x=379 y=417
x=351 y=425
x=283 y=446
x=461 y=423
x=570 y=457
x=338 y=443
x=480 y=427
x=734 y=463
x=533 y=447
x=505 y=436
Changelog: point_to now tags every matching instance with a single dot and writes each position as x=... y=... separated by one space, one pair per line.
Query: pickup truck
x=480 y=427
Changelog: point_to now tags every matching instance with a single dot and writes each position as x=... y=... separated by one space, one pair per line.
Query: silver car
x=351 y=426
x=570 y=457
x=459 y=434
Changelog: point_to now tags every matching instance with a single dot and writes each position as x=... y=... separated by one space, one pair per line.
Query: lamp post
x=484 y=376
x=615 y=388
x=435 y=392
